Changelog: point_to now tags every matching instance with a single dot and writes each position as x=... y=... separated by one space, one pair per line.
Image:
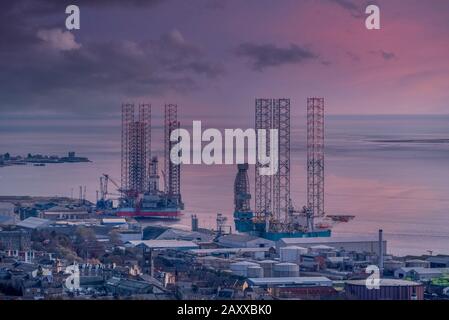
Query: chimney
x=194 y=222
x=381 y=252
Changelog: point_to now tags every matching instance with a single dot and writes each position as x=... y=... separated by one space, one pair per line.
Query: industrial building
x=195 y=236
x=369 y=244
x=244 y=241
x=439 y=261
x=34 y=223
x=64 y=213
x=289 y=281
x=420 y=273
x=164 y=244
x=128 y=287
x=16 y=240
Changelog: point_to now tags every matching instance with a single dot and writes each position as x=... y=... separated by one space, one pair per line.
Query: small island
x=39 y=159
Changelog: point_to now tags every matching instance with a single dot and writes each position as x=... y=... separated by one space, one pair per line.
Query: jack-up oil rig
x=275 y=216
x=140 y=194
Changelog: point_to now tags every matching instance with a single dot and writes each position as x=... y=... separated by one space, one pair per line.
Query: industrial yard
x=275 y=252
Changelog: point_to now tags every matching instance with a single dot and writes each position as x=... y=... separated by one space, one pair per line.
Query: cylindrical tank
x=286 y=269
x=255 y=272
x=291 y=254
x=267 y=266
x=241 y=268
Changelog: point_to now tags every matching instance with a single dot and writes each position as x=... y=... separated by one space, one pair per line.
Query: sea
x=390 y=171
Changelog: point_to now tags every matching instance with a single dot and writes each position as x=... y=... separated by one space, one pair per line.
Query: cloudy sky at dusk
x=214 y=57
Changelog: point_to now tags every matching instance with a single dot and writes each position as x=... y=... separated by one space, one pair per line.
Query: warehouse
x=34 y=223
x=163 y=244
x=244 y=241
x=368 y=244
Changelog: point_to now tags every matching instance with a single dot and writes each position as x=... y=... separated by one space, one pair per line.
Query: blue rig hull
x=244 y=223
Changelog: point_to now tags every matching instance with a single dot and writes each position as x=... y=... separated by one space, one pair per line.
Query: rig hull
x=275 y=236
x=144 y=213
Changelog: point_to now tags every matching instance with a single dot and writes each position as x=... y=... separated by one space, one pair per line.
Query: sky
x=213 y=58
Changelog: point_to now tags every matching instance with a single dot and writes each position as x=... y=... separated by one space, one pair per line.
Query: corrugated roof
x=33 y=223
x=164 y=243
x=422 y=270
x=228 y=250
x=237 y=237
x=386 y=282
x=113 y=220
x=332 y=239
x=291 y=281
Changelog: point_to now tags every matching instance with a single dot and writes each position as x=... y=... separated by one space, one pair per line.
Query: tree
x=114 y=238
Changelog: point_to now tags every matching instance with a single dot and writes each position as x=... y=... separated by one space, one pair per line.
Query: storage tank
x=255 y=272
x=291 y=254
x=267 y=266
x=241 y=268
x=286 y=269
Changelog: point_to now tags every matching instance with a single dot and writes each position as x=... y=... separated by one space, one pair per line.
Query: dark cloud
x=356 y=10
x=51 y=6
x=46 y=68
x=72 y=76
x=384 y=54
x=262 y=56
x=354 y=57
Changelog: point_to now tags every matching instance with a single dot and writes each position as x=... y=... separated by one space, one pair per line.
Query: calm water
x=400 y=186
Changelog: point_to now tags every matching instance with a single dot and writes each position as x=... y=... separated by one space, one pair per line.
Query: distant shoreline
x=412 y=141
x=39 y=160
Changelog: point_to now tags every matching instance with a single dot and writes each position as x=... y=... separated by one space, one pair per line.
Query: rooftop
x=422 y=270
x=127 y=284
x=228 y=250
x=113 y=220
x=386 y=282
x=438 y=259
x=185 y=235
x=33 y=223
x=161 y=244
x=302 y=281
x=333 y=239
x=238 y=237
x=322 y=247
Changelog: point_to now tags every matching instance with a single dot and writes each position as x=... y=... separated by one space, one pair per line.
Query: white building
x=244 y=241
x=368 y=244
x=34 y=223
x=163 y=244
x=419 y=273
